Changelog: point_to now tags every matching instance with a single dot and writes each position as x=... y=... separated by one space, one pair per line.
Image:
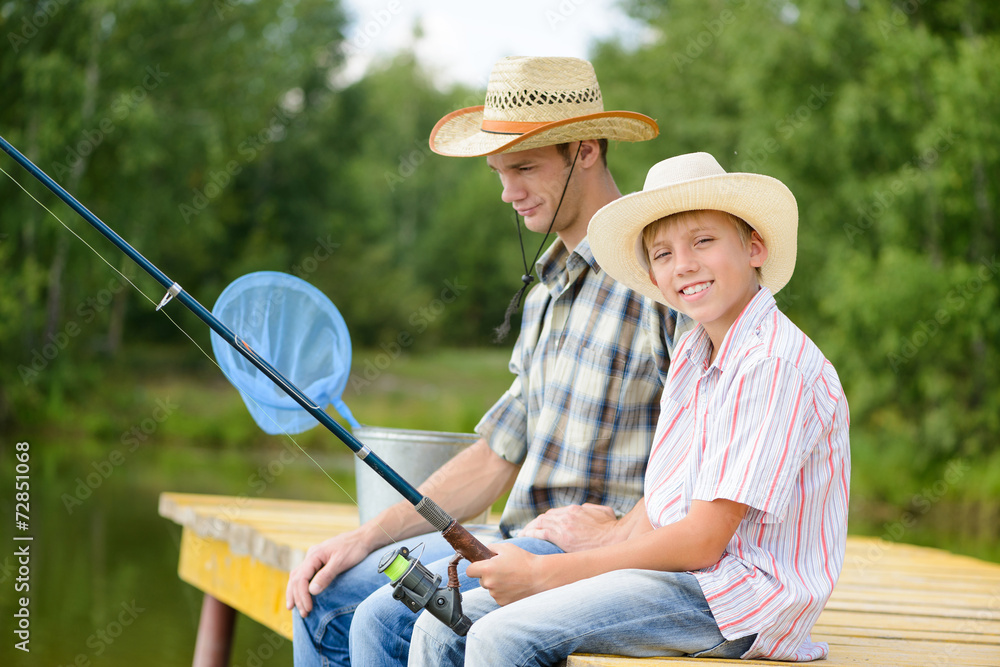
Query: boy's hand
x=575 y=527
x=511 y=575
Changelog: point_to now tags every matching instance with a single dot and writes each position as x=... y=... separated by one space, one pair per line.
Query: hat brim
x=460 y=133
x=763 y=202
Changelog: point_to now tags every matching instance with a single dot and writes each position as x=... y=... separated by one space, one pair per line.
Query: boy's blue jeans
x=637 y=613
x=355 y=621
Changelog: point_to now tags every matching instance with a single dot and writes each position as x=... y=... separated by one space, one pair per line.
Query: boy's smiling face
x=704 y=270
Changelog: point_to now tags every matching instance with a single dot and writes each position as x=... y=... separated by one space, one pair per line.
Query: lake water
x=102 y=566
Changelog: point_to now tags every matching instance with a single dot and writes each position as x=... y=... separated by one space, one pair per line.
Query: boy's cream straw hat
x=695 y=182
x=534 y=102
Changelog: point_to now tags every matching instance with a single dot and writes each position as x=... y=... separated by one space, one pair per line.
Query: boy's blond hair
x=743 y=229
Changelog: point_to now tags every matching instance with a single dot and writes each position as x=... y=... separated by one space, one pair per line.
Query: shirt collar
x=760 y=306
x=558 y=267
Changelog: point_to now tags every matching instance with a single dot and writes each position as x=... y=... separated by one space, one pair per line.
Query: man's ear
x=590 y=153
x=758 y=251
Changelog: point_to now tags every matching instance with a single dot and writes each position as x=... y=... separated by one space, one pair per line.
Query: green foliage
x=218 y=139
x=881 y=118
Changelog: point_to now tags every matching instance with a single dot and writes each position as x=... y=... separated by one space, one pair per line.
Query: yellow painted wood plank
x=222 y=502
x=237 y=521
x=242 y=582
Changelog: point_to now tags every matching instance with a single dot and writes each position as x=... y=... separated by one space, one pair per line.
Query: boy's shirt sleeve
x=754 y=439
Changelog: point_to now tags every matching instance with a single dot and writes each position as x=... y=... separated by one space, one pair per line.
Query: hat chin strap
x=501 y=332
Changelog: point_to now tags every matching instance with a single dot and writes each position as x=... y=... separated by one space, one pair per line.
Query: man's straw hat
x=695 y=182
x=534 y=102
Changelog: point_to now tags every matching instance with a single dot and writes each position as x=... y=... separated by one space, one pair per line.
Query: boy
x=739 y=539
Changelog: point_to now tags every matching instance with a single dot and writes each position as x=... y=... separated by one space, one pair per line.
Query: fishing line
x=465 y=543
x=190 y=338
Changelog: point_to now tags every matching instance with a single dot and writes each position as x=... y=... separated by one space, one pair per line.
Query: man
x=575 y=427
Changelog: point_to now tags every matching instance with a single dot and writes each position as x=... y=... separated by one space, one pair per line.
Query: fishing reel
x=418 y=588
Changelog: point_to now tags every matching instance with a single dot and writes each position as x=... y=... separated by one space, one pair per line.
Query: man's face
x=533 y=182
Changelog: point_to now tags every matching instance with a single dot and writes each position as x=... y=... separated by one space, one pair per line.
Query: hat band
x=510 y=126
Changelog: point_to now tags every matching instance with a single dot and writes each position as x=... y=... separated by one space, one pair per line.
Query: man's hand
x=322 y=564
x=575 y=527
x=512 y=574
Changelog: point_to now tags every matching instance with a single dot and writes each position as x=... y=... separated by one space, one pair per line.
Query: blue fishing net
x=295 y=328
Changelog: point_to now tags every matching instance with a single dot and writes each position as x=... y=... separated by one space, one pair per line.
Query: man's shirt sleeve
x=505 y=426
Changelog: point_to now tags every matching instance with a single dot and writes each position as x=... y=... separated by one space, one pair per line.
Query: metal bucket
x=415 y=455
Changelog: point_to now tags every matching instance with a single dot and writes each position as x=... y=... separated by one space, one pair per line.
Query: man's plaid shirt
x=590 y=363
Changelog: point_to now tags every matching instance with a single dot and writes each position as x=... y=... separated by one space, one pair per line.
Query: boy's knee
x=377 y=613
x=432 y=640
x=487 y=637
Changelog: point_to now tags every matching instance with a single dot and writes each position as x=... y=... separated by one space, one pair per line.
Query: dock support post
x=215 y=634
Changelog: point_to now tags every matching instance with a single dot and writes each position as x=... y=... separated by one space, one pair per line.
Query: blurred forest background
x=218 y=138
x=214 y=137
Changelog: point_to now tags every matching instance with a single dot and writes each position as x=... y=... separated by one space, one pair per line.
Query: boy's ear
x=652 y=278
x=758 y=251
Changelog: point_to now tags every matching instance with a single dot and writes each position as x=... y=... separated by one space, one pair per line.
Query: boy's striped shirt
x=766 y=424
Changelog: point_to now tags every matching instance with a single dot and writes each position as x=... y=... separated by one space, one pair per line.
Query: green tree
x=881 y=118
x=145 y=111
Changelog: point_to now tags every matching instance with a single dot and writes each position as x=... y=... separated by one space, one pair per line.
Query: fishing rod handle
x=466 y=544
x=458 y=537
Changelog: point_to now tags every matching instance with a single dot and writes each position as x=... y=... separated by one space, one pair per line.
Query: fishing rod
x=413 y=583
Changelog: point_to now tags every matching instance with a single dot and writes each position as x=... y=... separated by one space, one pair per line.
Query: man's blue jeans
x=355 y=620
x=638 y=613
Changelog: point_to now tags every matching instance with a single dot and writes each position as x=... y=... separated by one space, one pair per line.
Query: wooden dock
x=895 y=604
